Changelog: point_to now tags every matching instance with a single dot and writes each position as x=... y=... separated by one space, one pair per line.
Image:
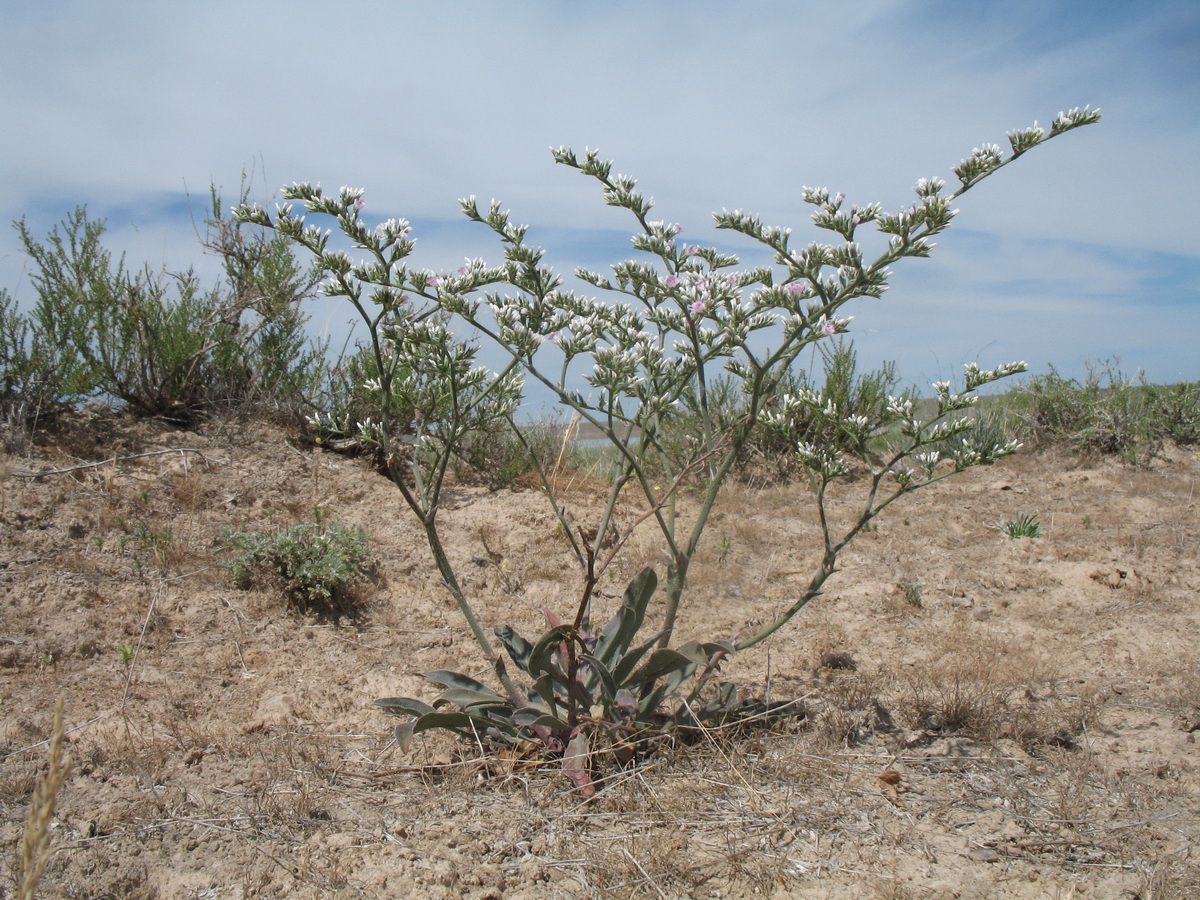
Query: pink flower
x=359 y=203
x=828 y=328
x=698 y=307
x=433 y=281
x=797 y=288
x=551 y=338
x=671 y=281
x=675 y=228
x=691 y=250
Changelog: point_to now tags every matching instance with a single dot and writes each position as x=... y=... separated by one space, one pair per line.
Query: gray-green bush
x=841 y=394
x=37 y=377
x=313 y=562
x=842 y=390
x=265 y=360
x=159 y=343
x=1175 y=410
x=132 y=343
x=1108 y=413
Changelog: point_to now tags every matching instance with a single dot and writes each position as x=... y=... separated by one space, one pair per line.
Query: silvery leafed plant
x=666 y=330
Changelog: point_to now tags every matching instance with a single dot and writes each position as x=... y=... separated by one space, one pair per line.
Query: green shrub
x=841 y=394
x=42 y=372
x=381 y=388
x=678 y=433
x=36 y=379
x=845 y=393
x=1107 y=413
x=494 y=454
x=265 y=360
x=1175 y=410
x=159 y=342
x=353 y=395
x=313 y=562
x=277 y=370
x=1050 y=408
x=131 y=343
x=988 y=433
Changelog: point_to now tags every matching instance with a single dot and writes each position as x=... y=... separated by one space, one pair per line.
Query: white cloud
x=710 y=105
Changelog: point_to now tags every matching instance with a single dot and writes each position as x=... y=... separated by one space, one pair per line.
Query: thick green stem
x=677 y=570
x=810 y=593
x=681 y=558
x=433 y=538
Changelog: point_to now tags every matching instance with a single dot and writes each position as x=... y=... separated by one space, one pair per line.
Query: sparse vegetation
x=255 y=720
x=313 y=562
x=913 y=592
x=1025 y=525
x=159 y=343
x=1108 y=413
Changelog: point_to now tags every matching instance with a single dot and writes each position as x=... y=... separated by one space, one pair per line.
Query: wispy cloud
x=123 y=105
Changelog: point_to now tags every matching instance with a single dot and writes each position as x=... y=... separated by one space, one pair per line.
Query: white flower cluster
x=1074 y=118
x=829 y=464
x=1023 y=139
x=391 y=231
x=982 y=161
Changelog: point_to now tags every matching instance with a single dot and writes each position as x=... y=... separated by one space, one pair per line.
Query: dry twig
x=105 y=462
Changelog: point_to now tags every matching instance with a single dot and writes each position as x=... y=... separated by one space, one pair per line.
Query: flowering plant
x=685 y=316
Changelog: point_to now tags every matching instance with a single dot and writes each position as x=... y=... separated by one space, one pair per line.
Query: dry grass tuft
x=35 y=842
x=1185 y=698
x=1173 y=876
x=851 y=709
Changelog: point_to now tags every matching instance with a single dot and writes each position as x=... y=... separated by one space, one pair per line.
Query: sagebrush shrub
x=265 y=359
x=1175 y=410
x=36 y=377
x=1108 y=413
x=313 y=562
x=160 y=343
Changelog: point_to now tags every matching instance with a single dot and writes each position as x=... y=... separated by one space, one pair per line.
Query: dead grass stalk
x=35 y=843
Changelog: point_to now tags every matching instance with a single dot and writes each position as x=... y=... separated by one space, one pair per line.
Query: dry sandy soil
x=1027 y=729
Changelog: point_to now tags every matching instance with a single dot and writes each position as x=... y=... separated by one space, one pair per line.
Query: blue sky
x=1085 y=249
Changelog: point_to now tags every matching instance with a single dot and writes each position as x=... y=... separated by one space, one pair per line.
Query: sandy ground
x=1020 y=722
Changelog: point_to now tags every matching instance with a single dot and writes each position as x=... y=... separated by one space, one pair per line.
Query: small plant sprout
x=725 y=547
x=912 y=593
x=672 y=332
x=1026 y=525
x=126 y=652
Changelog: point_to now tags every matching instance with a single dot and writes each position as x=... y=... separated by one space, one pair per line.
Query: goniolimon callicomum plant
x=674 y=324
x=588 y=693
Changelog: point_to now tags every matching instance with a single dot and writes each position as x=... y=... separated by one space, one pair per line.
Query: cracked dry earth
x=983 y=717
